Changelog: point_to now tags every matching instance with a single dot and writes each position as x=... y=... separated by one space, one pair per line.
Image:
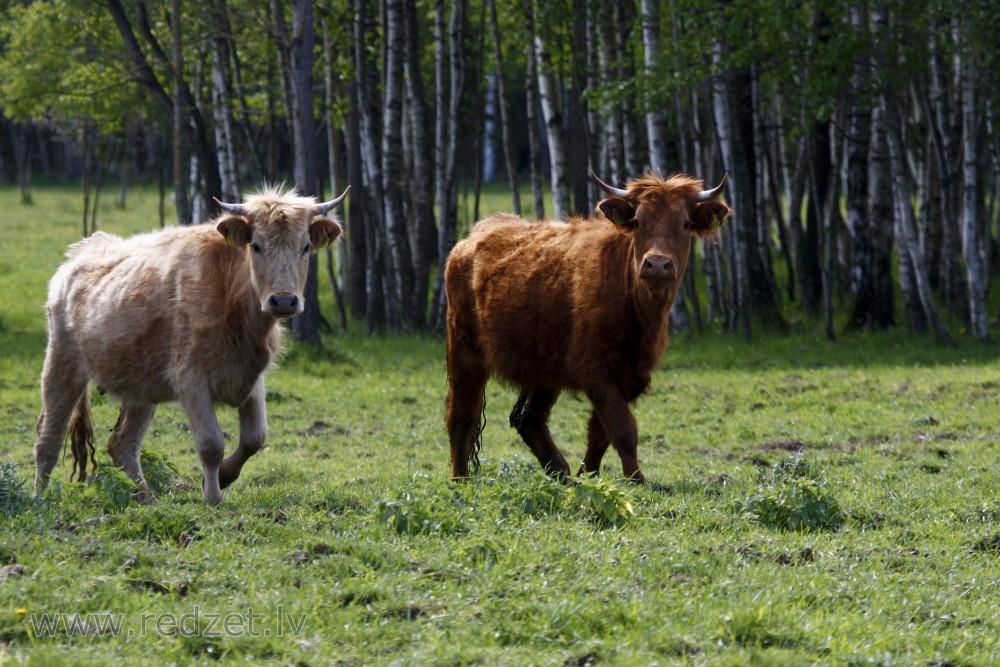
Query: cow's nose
x=658 y=267
x=283 y=304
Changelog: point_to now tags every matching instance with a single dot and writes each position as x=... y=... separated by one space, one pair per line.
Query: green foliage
x=423 y=509
x=14 y=497
x=602 y=501
x=792 y=498
x=160 y=472
x=64 y=62
x=109 y=487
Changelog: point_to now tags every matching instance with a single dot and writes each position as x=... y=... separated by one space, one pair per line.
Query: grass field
x=813 y=503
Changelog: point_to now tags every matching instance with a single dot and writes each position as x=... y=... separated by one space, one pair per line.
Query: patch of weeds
x=159 y=471
x=110 y=487
x=791 y=497
x=528 y=491
x=14 y=497
x=166 y=523
x=423 y=509
x=602 y=501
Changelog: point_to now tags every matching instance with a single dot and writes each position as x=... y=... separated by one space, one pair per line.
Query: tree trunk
x=549 y=95
x=679 y=320
x=531 y=95
x=976 y=273
x=181 y=154
x=634 y=144
x=401 y=267
x=738 y=185
x=225 y=137
x=577 y=115
x=334 y=156
x=905 y=223
x=942 y=125
x=305 y=327
x=860 y=222
x=357 y=218
x=651 y=56
x=449 y=96
x=383 y=305
x=613 y=162
x=507 y=139
x=883 y=310
x=424 y=233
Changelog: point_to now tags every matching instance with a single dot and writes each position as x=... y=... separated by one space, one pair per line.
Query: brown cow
x=579 y=305
x=188 y=314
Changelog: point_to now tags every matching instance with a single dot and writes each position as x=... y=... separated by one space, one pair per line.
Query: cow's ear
x=323 y=231
x=618 y=211
x=708 y=218
x=236 y=230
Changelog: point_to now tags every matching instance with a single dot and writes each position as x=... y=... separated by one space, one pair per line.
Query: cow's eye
x=309 y=246
x=687 y=225
x=255 y=246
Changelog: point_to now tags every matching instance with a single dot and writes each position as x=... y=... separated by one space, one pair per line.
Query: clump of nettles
x=110 y=487
x=605 y=503
x=509 y=493
x=790 y=496
x=14 y=497
x=159 y=471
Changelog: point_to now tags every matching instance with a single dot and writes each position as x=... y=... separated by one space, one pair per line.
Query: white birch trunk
x=651 y=54
x=722 y=114
x=224 y=136
x=549 y=96
x=974 y=269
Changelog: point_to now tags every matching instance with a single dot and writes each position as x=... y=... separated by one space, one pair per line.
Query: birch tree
x=975 y=271
x=449 y=79
x=548 y=88
x=507 y=139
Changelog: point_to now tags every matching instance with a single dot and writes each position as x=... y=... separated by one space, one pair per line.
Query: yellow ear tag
x=231 y=241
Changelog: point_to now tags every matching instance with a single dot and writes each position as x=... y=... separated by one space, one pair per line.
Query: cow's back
x=524 y=294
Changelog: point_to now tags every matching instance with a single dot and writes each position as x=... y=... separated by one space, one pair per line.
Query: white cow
x=188 y=314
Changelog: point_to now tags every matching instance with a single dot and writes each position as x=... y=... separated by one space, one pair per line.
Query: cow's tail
x=81 y=438
x=477 y=439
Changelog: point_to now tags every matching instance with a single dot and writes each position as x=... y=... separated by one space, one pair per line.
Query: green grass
x=344 y=535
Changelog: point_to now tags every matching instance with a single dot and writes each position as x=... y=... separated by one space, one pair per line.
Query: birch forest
x=860 y=138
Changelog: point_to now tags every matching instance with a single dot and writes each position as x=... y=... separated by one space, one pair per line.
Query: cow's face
x=662 y=217
x=281 y=237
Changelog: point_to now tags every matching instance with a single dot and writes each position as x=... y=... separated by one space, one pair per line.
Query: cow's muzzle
x=657 y=268
x=284 y=304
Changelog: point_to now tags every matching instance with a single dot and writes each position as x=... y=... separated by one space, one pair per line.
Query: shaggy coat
x=188 y=314
x=579 y=305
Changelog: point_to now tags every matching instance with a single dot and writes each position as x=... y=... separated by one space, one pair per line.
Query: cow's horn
x=236 y=209
x=705 y=195
x=617 y=192
x=326 y=206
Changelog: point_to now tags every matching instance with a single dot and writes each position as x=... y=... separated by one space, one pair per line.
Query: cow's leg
x=531 y=419
x=63 y=388
x=208 y=438
x=126 y=441
x=464 y=407
x=597 y=445
x=253 y=431
x=619 y=425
